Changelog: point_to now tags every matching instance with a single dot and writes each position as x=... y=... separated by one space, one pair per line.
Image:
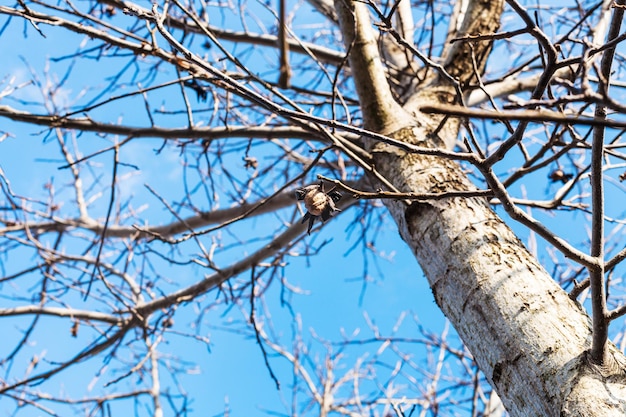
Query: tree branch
x=381 y=113
x=596 y=275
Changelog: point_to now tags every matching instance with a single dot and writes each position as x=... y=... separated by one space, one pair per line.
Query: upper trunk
x=527 y=336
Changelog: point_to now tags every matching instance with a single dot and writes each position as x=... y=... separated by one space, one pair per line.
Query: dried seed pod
x=318 y=203
x=558 y=175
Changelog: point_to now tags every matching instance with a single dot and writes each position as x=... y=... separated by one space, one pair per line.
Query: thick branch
x=166 y=231
x=380 y=110
x=596 y=275
x=525 y=116
x=201 y=132
x=480 y=17
x=61 y=312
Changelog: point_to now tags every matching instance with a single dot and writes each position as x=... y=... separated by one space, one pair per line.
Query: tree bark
x=528 y=337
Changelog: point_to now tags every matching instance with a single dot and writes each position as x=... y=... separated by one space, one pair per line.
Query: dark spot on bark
x=497 y=373
x=417 y=208
x=490 y=238
x=499 y=368
x=437 y=301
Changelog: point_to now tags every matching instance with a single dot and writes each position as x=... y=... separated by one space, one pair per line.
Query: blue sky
x=336 y=296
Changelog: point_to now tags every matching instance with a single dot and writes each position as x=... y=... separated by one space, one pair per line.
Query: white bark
x=376 y=101
x=526 y=334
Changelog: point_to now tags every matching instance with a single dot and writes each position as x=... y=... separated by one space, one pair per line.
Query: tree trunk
x=527 y=336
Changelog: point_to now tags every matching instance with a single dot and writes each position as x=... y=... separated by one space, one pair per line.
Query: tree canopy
x=201 y=201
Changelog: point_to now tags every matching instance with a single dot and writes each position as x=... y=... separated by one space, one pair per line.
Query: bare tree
x=449 y=114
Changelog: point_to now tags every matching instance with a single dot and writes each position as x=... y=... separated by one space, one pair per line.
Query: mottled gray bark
x=528 y=337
